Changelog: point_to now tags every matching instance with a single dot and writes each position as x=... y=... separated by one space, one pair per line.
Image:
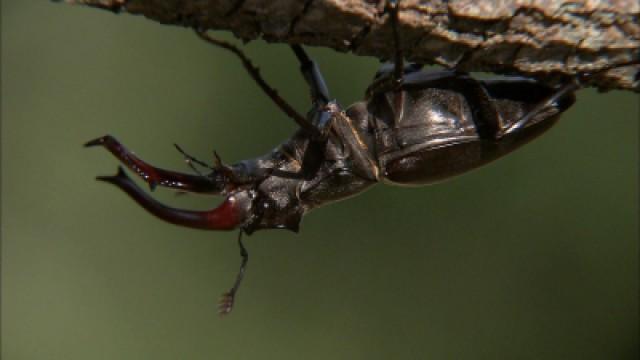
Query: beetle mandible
x=413 y=128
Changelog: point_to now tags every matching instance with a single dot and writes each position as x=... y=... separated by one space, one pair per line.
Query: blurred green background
x=533 y=257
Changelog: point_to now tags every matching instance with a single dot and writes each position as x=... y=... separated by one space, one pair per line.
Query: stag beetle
x=413 y=128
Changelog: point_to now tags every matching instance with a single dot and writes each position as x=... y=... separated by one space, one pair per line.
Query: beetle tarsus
x=227 y=300
x=225 y=304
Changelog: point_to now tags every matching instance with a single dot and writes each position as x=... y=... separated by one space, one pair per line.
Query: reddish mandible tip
x=227 y=216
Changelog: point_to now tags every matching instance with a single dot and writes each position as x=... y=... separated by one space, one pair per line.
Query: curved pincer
x=229 y=215
x=155 y=176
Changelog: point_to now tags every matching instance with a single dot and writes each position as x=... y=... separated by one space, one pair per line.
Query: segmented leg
x=392 y=80
x=155 y=176
x=361 y=161
x=320 y=116
x=314 y=154
x=559 y=93
x=323 y=109
x=488 y=121
x=228 y=216
x=392 y=8
x=254 y=72
x=228 y=299
x=570 y=87
x=311 y=73
x=326 y=115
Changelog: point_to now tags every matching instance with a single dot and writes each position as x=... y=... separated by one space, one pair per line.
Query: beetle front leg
x=313 y=76
x=254 y=72
x=314 y=155
x=563 y=90
x=155 y=176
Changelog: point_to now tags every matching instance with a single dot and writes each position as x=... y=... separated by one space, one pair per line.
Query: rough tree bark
x=545 y=39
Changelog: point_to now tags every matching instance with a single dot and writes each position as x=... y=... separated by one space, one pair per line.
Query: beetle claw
x=225 y=305
x=152 y=175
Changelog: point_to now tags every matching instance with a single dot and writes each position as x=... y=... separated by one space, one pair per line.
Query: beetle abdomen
x=436 y=135
x=431 y=165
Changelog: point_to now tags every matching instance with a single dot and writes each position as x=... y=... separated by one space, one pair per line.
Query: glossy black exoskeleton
x=413 y=128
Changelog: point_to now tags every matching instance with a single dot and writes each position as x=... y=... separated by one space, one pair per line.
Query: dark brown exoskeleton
x=413 y=128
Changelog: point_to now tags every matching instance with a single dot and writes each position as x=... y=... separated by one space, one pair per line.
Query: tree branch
x=545 y=39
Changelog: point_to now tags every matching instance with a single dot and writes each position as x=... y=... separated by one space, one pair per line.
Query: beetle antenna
x=195 y=169
x=226 y=302
x=190 y=160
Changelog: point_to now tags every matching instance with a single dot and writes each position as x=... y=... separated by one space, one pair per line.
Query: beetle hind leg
x=549 y=102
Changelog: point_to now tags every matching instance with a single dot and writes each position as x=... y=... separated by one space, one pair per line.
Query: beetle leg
x=314 y=154
x=568 y=88
x=487 y=118
x=383 y=80
x=544 y=104
x=254 y=72
x=398 y=63
x=227 y=301
x=489 y=122
x=398 y=69
x=332 y=118
x=321 y=115
x=155 y=176
x=313 y=76
x=228 y=216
